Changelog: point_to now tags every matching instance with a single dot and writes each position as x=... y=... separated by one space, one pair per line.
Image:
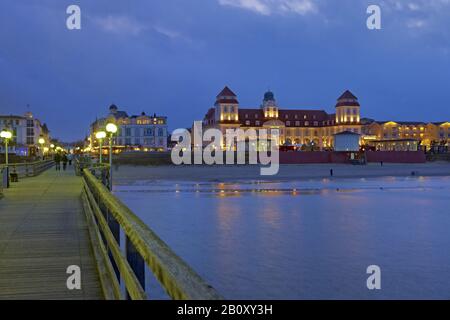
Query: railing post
x=136 y=262
x=114 y=226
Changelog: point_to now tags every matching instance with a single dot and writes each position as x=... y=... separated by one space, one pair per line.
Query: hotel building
x=403 y=135
x=136 y=133
x=316 y=128
x=26 y=131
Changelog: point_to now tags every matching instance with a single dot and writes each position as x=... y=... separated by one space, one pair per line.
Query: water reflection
x=313 y=239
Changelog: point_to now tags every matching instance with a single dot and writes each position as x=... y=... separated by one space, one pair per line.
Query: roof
x=12 y=116
x=347 y=99
x=406 y=123
x=226 y=92
x=346 y=133
x=120 y=114
x=311 y=115
x=347 y=95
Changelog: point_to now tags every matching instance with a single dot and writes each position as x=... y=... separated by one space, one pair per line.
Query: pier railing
x=29 y=169
x=107 y=217
x=22 y=170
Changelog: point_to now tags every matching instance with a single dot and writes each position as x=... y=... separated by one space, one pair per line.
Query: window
x=232 y=109
x=161 y=132
x=256 y=116
x=127 y=141
x=305 y=117
x=246 y=116
x=288 y=123
x=128 y=133
x=30 y=131
x=297 y=123
x=257 y=123
x=306 y=123
x=316 y=123
x=286 y=117
x=137 y=132
x=148 y=132
x=30 y=123
x=247 y=122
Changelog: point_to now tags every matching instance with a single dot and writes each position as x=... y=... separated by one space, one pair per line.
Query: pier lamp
x=111 y=128
x=6 y=136
x=42 y=142
x=100 y=136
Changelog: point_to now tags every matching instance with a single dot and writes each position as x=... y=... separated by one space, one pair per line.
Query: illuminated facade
x=135 y=133
x=424 y=134
x=296 y=126
x=26 y=131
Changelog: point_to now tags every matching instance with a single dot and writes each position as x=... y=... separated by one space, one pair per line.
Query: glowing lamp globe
x=41 y=141
x=111 y=128
x=100 y=135
x=6 y=134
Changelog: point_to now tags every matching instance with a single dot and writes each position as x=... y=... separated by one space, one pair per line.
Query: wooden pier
x=60 y=219
x=43 y=230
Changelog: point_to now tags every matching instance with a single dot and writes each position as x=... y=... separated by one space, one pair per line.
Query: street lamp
x=6 y=135
x=100 y=136
x=111 y=128
x=42 y=142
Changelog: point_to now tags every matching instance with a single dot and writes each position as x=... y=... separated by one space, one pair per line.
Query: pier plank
x=43 y=230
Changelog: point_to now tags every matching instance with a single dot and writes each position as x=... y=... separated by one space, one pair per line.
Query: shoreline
x=288 y=172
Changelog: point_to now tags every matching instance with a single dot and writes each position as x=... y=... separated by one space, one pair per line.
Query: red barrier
x=344 y=157
x=313 y=157
x=396 y=156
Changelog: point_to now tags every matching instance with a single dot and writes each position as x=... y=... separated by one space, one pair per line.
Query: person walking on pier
x=64 y=161
x=70 y=158
x=57 y=159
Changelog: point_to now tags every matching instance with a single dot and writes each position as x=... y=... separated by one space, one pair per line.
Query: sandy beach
x=125 y=173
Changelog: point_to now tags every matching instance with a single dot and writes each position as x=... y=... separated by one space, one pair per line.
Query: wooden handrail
x=178 y=279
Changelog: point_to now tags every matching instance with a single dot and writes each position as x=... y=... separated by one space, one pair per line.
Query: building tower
x=269 y=106
x=226 y=106
x=347 y=109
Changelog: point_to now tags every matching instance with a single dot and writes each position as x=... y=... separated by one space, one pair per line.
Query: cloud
x=415 y=23
x=120 y=24
x=269 y=7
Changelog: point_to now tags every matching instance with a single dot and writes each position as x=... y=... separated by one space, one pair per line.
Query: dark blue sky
x=173 y=56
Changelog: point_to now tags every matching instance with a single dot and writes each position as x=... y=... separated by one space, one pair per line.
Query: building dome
x=269 y=96
x=113 y=108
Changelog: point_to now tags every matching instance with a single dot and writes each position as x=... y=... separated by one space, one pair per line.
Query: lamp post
x=42 y=142
x=6 y=135
x=100 y=136
x=111 y=128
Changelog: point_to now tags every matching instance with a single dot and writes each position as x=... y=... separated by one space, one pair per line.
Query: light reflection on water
x=305 y=240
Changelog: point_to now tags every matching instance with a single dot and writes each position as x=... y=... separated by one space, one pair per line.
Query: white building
x=136 y=133
x=347 y=141
x=26 y=131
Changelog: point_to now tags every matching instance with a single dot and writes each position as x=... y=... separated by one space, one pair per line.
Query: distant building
x=26 y=132
x=136 y=133
x=317 y=129
x=296 y=126
x=347 y=141
x=411 y=133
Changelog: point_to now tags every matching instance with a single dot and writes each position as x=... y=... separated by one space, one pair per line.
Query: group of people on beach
x=64 y=158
